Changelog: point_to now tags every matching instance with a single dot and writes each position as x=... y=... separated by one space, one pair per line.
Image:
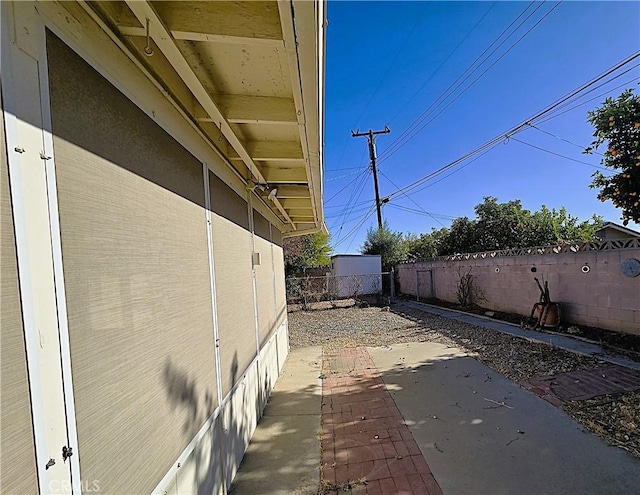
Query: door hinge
x=66 y=453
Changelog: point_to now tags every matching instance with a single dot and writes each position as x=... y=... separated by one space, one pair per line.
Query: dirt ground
x=614 y=418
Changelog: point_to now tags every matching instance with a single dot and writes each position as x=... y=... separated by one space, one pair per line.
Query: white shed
x=357 y=273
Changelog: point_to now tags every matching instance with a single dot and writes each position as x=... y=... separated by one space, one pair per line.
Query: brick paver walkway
x=366 y=446
x=584 y=384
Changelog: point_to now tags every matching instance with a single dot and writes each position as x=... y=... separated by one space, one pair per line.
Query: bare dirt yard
x=616 y=418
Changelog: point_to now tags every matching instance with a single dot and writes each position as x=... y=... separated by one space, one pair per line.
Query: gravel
x=615 y=418
x=515 y=358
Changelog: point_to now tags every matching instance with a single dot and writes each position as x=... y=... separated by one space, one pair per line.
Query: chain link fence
x=307 y=290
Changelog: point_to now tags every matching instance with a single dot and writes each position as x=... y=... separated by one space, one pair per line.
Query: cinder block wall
x=602 y=297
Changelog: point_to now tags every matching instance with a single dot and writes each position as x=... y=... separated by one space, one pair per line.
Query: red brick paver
x=366 y=444
x=584 y=384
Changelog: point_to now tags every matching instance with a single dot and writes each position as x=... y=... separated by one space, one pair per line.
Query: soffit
x=250 y=76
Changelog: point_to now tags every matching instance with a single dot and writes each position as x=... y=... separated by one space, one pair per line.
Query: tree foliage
x=387 y=243
x=426 y=245
x=509 y=225
x=495 y=226
x=618 y=123
x=306 y=251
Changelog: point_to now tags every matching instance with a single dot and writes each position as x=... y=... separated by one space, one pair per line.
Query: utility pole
x=372 y=155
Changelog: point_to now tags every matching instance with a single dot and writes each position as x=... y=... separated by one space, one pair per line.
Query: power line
x=584 y=93
x=558 y=154
x=356 y=227
x=360 y=189
x=431 y=76
x=386 y=73
x=347 y=185
x=387 y=153
x=344 y=168
x=342 y=176
x=435 y=102
x=421 y=212
x=346 y=204
x=356 y=210
x=413 y=129
x=521 y=126
x=558 y=114
x=583 y=148
x=454 y=171
x=411 y=199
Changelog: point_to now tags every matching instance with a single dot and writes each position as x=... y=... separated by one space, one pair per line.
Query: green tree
x=509 y=225
x=387 y=243
x=618 y=123
x=426 y=245
x=559 y=227
x=306 y=251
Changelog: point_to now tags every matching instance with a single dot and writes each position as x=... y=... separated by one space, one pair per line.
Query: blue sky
x=387 y=62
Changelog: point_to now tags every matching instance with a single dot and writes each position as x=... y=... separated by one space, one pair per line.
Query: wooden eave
x=250 y=76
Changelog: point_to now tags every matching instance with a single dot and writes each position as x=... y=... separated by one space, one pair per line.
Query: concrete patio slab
x=284 y=454
x=481 y=433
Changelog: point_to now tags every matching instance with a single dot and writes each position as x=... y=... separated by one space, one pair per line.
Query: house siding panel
x=137 y=283
x=17 y=454
x=264 y=278
x=281 y=294
x=234 y=284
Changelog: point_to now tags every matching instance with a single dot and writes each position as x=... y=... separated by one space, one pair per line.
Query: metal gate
x=424 y=285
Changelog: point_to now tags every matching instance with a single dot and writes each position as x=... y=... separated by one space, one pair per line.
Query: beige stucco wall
x=603 y=297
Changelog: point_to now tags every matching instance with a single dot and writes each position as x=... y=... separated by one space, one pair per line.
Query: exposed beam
x=300 y=203
x=218 y=22
x=283 y=151
x=285 y=175
x=143 y=11
x=288 y=27
x=294 y=192
x=298 y=214
x=304 y=228
x=244 y=109
x=204 y=37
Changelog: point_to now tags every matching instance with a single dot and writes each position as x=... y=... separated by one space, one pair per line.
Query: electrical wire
x=357 y=210
x=518 y=128
x=583 y=148
x=410 y=198
x=558 y=114
x=584 y=93
x=345 y=204
x=344 y=168
x=341 y=176
x=454 y=171
x=346 y=185
x=420 y=212
x=417 y=130
x=386 y=73
x=432 y=75
x=354 y=198
x=356 y=227
x=423 y=114
x=558 y=154
x=358 y=230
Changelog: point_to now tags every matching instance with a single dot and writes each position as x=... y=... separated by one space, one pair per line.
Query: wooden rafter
x=144 y=12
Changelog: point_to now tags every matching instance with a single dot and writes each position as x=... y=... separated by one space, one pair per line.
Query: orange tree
x=618 y=122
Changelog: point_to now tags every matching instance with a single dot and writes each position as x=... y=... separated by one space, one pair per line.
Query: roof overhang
x=250 y=76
